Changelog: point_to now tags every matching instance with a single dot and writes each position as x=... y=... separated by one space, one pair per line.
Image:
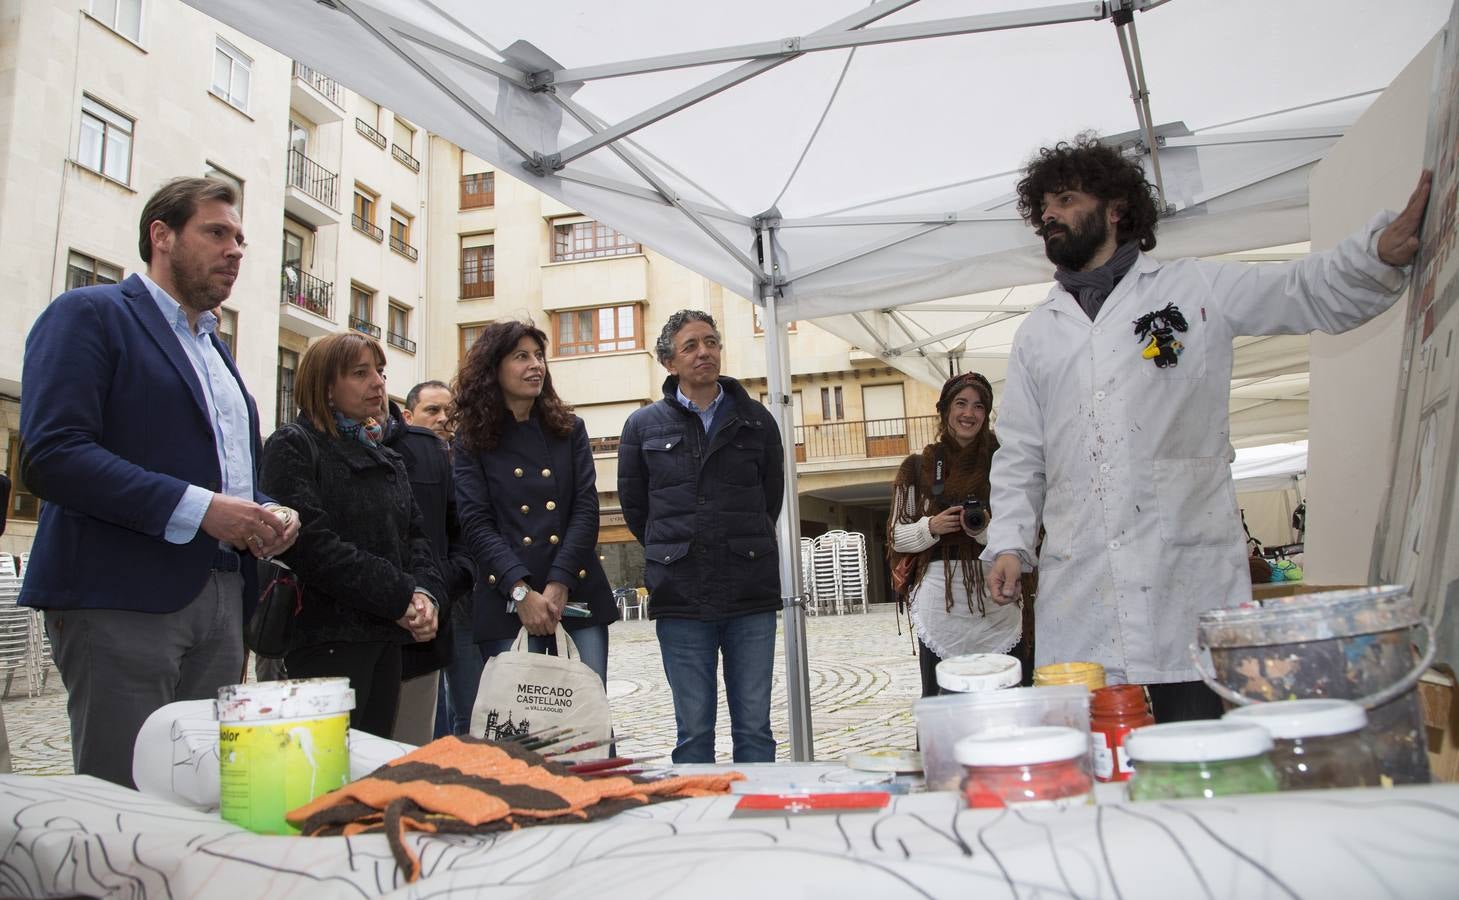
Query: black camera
x=975 y=515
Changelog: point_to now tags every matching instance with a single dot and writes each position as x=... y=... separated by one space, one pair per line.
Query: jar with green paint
x=1198 y=760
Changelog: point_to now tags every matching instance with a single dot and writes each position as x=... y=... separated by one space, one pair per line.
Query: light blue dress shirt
x=706 y=415
x=227 y=411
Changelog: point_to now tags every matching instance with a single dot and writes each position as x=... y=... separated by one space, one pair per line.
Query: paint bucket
x=975 y=672
x=1349 y=645
x=280 y=745
x=1089 y=674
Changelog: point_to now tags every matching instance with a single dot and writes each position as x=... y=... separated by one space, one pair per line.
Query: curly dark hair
x=1094 y=168
x=481 y=408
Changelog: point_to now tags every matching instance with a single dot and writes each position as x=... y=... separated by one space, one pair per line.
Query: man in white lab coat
x=1114 y=424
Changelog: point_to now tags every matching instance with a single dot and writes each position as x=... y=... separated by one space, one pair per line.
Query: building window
x=122 y=16
x=469 y=334
x=23 y=504
x=364 y=214
x=82 y=271
x=478 y=266
x=832 y=402
x=397 y=328
x=760 y=323
x=400 y=235
x=404 y=144
x=224 y=175
x=478 y=190
x=106 y=141
x=362 y=306
x=232 y=74
x=589 y=240
x=288 y=364
x=601 y=330
x=228 y=330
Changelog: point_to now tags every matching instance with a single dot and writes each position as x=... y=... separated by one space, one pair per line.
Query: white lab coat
x=1128 y=465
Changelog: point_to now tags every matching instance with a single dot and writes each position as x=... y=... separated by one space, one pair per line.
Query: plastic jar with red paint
x=1114 y=712
x=1046 y=765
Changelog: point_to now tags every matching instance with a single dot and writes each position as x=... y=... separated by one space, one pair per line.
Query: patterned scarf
x=1092 y=288
x=369 y=432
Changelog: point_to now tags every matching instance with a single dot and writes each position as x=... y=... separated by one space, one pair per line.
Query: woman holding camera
x=939 y=515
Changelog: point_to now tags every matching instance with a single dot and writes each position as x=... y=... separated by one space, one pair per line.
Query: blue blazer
x=114 y=427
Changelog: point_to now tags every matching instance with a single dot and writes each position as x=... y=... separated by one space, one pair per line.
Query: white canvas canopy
x=854 y=160
x=1270 y=468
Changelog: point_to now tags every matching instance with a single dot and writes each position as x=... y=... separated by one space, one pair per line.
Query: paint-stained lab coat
x=1128 y=465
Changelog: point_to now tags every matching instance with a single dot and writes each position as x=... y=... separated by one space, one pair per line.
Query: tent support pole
x=1124 y=20
x=777 y=368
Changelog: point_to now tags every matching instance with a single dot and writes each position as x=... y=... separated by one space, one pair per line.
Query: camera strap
x=938 y=470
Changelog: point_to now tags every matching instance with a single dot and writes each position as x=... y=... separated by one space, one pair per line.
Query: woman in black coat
x=527 y=498
x=369 y=575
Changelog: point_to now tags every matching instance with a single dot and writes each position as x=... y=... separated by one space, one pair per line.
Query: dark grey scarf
x=1093 y=287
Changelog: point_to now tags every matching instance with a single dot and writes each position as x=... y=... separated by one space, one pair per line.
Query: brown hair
x=481 y=408
x=176 y=202
x=324 y=362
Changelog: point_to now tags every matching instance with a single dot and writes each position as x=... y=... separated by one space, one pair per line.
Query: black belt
x=226 y=561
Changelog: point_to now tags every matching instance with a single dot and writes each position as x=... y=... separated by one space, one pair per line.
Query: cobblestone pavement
x=863 y=682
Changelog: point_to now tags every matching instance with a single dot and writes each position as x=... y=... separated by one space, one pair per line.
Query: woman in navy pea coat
x=527 y=497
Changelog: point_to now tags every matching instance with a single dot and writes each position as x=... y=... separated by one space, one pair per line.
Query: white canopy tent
x=845 y=159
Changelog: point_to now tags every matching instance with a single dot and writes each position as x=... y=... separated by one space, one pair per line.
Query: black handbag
x=268 y=632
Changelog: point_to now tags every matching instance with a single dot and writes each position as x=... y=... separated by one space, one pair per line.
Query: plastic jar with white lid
x=1045 y=765
x=1200 y=759
x=1316 y=744
x=975 y=672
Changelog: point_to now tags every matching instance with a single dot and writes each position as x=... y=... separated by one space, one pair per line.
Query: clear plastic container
x=943 y=721
x=1044 y=766
x=1316 y=744
x=1201 y=760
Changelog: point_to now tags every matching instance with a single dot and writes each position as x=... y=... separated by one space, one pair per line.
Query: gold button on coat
x=582 y=573
x=551 y=504
x=517 y=472
x=552 y=540
x=546 y=473
x=526 y=509
x=491 y=579
x=526 y=542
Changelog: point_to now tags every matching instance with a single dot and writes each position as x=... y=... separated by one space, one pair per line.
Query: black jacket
x=428 y=464
x=362 y=550
x=529 y=512
x=704 y=510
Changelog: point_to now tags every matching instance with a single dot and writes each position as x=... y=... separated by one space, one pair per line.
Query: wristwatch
x=519 y=593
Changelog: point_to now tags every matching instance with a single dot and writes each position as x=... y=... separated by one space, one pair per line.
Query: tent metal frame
x=407 y=41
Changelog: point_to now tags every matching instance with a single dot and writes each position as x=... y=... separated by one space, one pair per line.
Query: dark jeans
x=927 y=662
x=1183 y=701
x=691 y=651
x=373 y=668
x=459 y=683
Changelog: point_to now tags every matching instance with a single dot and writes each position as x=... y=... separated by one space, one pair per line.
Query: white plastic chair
x=7 y=566
x=17 y=637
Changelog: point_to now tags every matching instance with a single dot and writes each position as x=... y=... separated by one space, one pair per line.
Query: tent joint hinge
x=949 y=218
x=541 y=81
x=790 y=45
x=543 y=164
x=1121 y=12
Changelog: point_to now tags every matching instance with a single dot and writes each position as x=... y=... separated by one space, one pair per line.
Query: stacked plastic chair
x=814 y=605
x=826 y=585
x=851 y=568
x=19 y=641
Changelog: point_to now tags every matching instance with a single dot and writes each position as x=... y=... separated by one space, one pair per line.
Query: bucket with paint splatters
x=280 y=745
x=1346 y=644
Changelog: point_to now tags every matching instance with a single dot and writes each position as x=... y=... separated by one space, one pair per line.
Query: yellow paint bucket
x=280 y=745
x=1089 y=674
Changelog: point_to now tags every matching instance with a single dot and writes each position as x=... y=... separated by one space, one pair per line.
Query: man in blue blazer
x=138 y=433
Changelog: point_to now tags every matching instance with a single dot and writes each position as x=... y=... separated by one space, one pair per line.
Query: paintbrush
x=599 y=765
x=540 y=738
x=589 y=745
x=555 y=740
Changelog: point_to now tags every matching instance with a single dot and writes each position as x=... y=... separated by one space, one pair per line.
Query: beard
x=195 y=287
x=1076 y=246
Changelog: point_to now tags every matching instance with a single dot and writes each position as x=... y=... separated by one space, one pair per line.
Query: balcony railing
x=478 y=190
x=320 y=82
x=865 y=439
x=368 y=230
x=365 y=326
x=404 y=249
x=603 y=444
x=476 y=283
x=404 y=158
x=369 y=133
x=303 y=290
x=313 y=179
x=401 y=341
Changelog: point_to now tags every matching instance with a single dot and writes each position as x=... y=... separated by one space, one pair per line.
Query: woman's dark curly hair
x=481 y=408
x=1094 y=168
